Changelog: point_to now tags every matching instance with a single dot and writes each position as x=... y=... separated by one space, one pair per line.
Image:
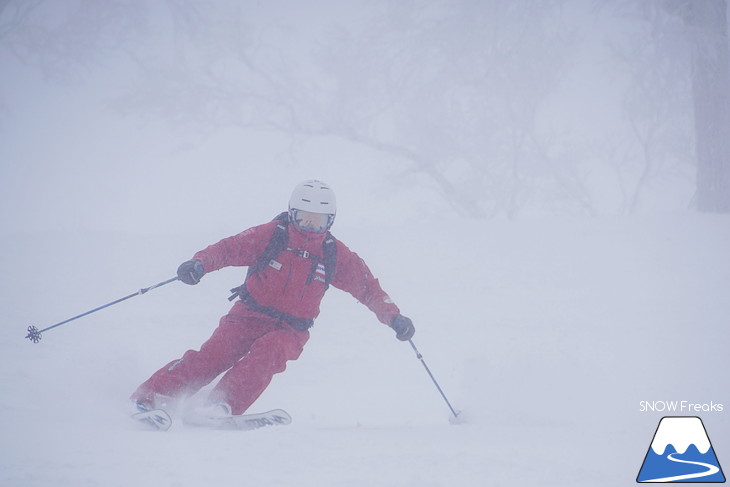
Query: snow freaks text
x=682 y=407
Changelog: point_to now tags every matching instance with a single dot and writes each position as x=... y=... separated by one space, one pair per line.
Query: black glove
x=191 y=271
x=403 y=327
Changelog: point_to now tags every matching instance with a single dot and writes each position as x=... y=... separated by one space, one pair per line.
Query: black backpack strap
x=328 y=260
x=329 y=252
x=276 y=245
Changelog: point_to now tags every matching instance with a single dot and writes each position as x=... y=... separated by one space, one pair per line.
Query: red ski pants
x=252 y=349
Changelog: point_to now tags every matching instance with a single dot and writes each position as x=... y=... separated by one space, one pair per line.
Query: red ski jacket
x=284 y=284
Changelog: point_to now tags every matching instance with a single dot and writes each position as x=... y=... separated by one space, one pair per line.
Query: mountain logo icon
x=681 y=452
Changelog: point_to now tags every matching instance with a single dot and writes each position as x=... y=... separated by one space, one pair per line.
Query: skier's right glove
x=404 y=329
x=191 y=271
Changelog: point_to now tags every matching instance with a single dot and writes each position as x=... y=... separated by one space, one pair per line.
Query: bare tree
x=66 y=39
x=449 y=89
x=657 y=100
x=711 y=92
x=14 y=14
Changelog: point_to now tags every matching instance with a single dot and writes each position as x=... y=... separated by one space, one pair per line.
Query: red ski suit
x=253 y=346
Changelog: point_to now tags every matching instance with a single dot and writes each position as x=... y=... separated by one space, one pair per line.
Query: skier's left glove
x=403 y=326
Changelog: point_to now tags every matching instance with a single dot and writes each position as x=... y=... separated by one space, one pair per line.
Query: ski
x=243 y=422
x=157 y=419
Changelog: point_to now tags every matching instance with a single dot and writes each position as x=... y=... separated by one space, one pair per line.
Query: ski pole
x=34 y=334
x=420 y=357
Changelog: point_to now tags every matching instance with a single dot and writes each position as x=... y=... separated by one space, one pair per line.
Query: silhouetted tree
x=707 y=20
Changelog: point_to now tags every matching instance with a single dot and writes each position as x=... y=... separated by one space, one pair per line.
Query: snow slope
x=546 y=333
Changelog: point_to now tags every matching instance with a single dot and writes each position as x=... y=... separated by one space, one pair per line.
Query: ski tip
x=279 y=416
x=155 y=419
x=244 y=422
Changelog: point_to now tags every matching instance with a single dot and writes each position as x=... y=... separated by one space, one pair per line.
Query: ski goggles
x=311 y=222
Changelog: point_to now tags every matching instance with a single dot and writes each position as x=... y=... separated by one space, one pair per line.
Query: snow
x=546 y=333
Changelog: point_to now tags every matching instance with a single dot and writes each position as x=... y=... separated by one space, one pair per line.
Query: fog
x=521 y=176
x=116 y=116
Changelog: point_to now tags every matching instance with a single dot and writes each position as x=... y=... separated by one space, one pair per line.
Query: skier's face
x=311 y=222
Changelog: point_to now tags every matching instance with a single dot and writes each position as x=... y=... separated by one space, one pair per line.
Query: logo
x=680 y=452
x=680 y=407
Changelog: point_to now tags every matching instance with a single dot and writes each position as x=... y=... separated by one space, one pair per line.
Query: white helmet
x=313 y=196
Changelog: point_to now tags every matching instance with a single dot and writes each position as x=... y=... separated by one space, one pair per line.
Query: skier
x=291 y=262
